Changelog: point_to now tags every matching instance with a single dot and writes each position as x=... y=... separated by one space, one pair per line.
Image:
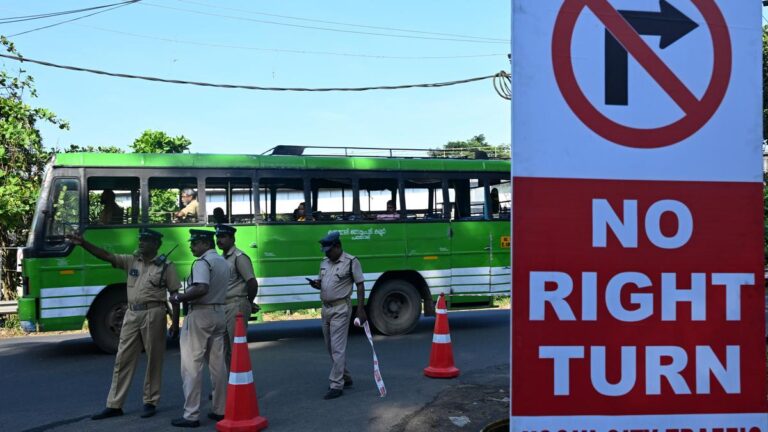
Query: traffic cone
x=441 y=358
x=242 y=413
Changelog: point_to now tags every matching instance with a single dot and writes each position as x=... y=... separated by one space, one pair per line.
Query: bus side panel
x=63 y=300
x=501 y=273
x=428 y=251
x=470 y=258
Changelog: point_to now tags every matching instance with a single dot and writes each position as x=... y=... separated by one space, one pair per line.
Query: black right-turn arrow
x=669 y=23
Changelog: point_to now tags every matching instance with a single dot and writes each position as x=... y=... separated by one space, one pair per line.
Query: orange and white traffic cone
x=242 y=413
x=441 y=358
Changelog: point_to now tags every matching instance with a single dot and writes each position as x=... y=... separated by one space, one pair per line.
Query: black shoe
x=182 y=422
x=333 y=394
x=214 y=416
x=149 y=411
x=348 y=383
x=107 y=413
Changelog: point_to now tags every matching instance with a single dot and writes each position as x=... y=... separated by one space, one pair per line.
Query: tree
x=74 y=148
x=152 y=141
x=467 y=149
x=22 y=159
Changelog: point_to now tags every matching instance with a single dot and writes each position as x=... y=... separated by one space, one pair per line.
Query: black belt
x=338 y=302
x=214 y=306
x=144 y=306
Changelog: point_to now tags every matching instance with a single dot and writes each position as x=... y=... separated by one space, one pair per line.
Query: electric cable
x=252 y=87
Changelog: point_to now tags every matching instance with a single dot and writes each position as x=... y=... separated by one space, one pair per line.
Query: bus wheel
x=395 y=307
x=106 y=319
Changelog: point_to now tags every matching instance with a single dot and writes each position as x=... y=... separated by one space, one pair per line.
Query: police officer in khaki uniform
x=202 y=335
x=144 y=324
x=242 y=287
x=338 y=272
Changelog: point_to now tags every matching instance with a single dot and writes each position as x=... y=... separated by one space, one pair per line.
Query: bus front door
x=471 y=250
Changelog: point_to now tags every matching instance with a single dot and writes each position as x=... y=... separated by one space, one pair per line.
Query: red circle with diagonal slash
x=697 y=111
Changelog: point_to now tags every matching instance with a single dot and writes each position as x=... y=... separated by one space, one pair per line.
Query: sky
x=245 y=42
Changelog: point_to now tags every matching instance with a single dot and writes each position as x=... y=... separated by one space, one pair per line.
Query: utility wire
x=9 y=20
x=253 y=48
x=319 y=28
x=251 y=87
x=342 y=23
x=74 y=19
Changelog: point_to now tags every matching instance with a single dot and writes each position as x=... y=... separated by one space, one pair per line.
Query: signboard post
x=638 y=287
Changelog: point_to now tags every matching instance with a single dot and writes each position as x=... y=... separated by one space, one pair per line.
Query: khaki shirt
x=336 y=279
x=190 y=211
x=147 y=282
x=241 y=271
x=212 y=269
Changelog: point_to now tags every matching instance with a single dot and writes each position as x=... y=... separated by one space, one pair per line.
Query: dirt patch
x=476 y=400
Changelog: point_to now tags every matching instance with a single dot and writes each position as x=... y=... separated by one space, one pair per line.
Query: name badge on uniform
x=134 y=272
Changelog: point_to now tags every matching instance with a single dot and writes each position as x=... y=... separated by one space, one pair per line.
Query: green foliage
x=162 y=203
x=74 y=148
x=152 y=141
x=22 y=157
x=467 y=148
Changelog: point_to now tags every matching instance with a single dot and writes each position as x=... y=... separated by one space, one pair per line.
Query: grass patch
x=501 y=302
x=291 y=315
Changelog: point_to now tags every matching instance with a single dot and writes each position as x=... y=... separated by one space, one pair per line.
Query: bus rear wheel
x=395 y=307
x=106 y=319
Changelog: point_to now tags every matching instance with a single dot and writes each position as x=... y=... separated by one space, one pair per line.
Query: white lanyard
x=376 y=371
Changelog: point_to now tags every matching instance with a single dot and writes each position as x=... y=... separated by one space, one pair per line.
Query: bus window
x=229 y=200
x=500 y=198
x=113 y=200
x=424 y=198
x=173 y=200
x=282 y=200
x=467 y=197
x=64 y=217
x=379 y=199
x=331 y=199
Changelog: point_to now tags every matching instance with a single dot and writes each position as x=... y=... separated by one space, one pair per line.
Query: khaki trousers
x=140 y=329
x=238 y=304
x=335 y=331
x=202 y=340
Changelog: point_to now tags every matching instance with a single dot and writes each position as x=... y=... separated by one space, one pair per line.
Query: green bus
x=420 y=226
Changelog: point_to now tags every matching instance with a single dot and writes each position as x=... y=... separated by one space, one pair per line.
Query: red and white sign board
x=638 y=287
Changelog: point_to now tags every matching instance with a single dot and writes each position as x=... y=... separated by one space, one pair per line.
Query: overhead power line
x=290 y=51
x=75 y=19
x=241 y=18
x=342 y=23
x=252 y=87
x=9 y=20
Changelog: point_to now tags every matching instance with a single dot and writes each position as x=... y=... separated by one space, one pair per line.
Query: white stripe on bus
x=62 y=313
x=46 y=303
x=241 y=339
x=441 y=338
x=470 y=280
x=71 y=291
x=241 y=378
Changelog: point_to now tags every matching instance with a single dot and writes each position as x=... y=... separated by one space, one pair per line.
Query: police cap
x=198 y=234
x=329 y=241
x=225 y=229
x=148 y=234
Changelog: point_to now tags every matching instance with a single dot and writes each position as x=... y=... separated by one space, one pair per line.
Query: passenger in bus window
x=495 y=201
x=391 y=213
x=299 y=214
x=111 y=213
x=338 y=272
x=150 y=278
x=191 y=208
x=218 y=216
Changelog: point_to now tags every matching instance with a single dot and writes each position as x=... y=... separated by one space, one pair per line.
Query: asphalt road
x=57 y=382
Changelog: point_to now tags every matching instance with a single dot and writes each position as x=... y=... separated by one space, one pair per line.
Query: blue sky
x=114 y=111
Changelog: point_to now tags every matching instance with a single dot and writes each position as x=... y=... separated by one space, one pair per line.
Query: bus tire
x=395 y=307
x=106 y=319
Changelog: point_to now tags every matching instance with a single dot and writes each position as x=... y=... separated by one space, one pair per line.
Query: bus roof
x=196 y=160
